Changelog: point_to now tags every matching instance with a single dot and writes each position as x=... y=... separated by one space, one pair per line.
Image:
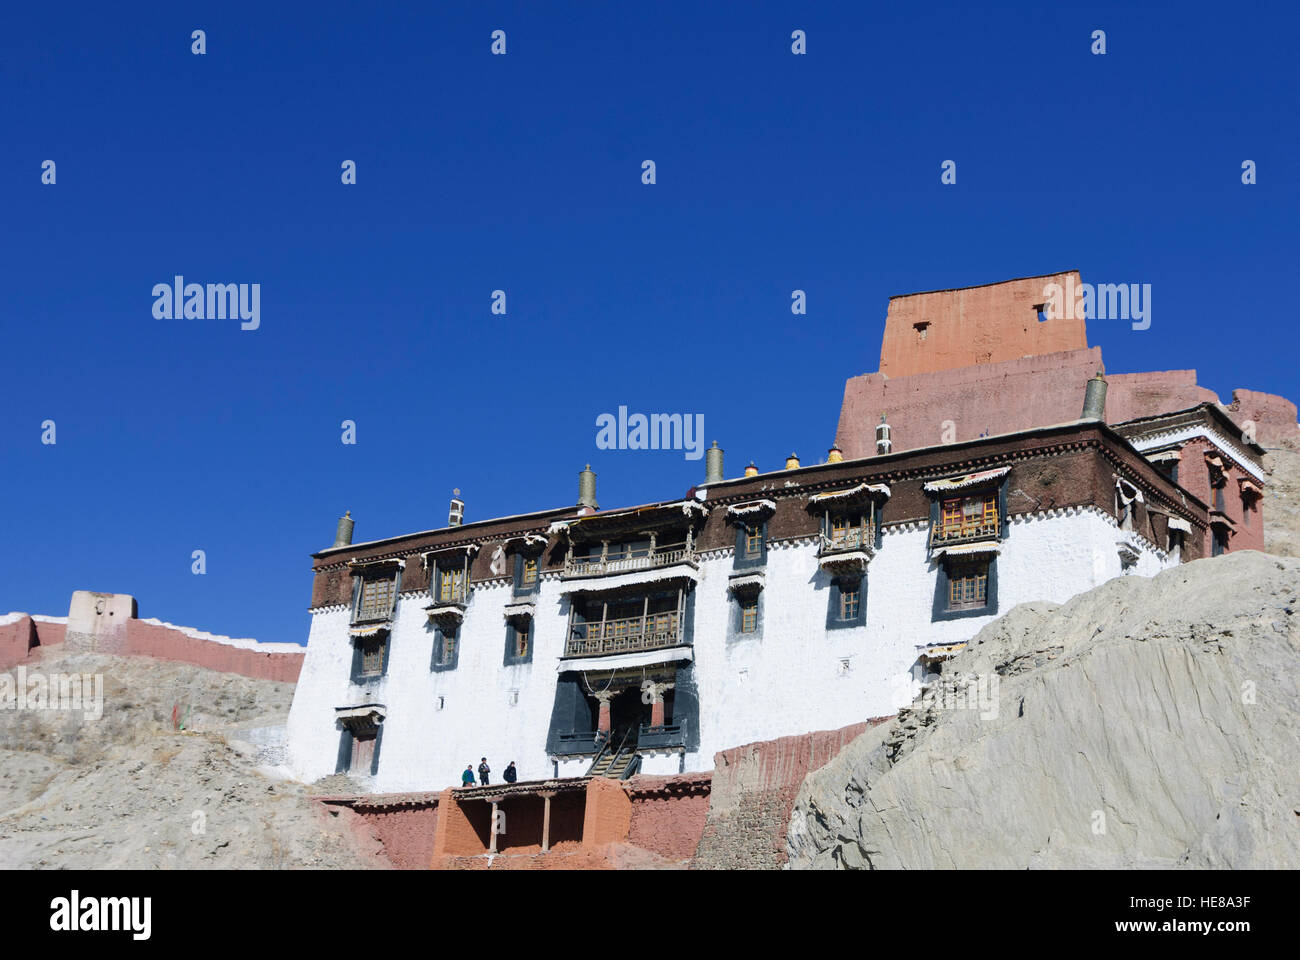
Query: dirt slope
x=127 y=790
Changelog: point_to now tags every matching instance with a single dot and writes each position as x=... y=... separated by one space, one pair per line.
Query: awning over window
x=881 y=489
x=1164 y=456
x=371 y=710
x=969 y=549
x=746 y=584
x=968 y=480
x=939 y=651
x=1127 y=492
x=525 y=542
x=755 y=508
x=622 y=661
x=369 y=631
x=1248 y=487
x=1214 y=461
x=1178 y=523
x=394 y=562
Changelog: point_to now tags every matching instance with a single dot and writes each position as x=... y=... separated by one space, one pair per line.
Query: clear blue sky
x=523 y=172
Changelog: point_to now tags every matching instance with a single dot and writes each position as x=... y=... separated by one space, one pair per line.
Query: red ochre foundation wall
x=733 y=817
x=406 y=825
x=754 y=788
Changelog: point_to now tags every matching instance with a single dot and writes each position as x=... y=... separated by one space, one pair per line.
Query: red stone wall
x=48 y=633
x=608 y=814
x=1273 y=417
x=975 y=325
x=754 y=787
x=15 y=640
x=668 y=813
x=164 y=643
x=406 y=830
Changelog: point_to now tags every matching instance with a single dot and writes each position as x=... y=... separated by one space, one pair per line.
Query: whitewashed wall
x=790 y=679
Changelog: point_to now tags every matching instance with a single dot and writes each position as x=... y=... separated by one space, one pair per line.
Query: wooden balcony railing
x=644 y=558
x=627 y=635
x=850 y=540
x=975 y=528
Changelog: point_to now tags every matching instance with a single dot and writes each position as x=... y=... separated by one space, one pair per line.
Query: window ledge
x=446 y=614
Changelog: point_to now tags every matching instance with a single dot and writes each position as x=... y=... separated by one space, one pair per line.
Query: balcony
x=847 y=550
x=652 y=631
x=629 y=561
x=966 y=530
x=667 y=737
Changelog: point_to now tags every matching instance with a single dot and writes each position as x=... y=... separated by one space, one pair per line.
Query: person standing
x=483 y=771
x=511 y=775
x=467 y=778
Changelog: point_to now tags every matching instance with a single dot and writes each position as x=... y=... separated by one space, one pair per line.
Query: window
x=372 y=657
x=749 y=615
x=1218 y=497
x=521 y=640
x=969 y=517
x=451 y=585
x=968 y=586
x=1219 y=539
x=376 y=602
x=850 y=601
x=529 y=575
x=448 y=648
x=753 y=541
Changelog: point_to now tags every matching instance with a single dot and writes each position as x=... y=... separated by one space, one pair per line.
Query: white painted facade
x=794 y=676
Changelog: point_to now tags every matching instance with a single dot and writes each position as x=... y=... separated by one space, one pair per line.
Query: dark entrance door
x=626 y=715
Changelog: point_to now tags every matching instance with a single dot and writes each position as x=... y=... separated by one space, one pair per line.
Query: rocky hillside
x=126 y=790
x=1146 y=723
x=1282 y=502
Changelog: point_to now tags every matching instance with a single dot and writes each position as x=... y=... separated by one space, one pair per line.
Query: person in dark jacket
x=467 y=778
x=483 y=771
x=510 y=774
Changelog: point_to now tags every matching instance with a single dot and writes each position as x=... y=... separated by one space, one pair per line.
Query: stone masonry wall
x=753 y=791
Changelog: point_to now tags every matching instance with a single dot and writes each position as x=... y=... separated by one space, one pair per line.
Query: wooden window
x=850 y=602
x=372 y=657
x=968 y=586
x=969 y=516
x=529 y=576
x=521 y=640
x=448 y=647
x=748 y=616
x=754 y=540
x=1218 y=540
x=451 y=585
x=376 y=599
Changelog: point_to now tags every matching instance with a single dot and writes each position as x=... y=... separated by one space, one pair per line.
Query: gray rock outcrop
x=1146 y=723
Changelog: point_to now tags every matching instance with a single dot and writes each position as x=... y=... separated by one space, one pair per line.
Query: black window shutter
x=345 y=751
x=356 y=660
x=374 y=760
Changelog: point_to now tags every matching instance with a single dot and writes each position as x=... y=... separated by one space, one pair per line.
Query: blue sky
x=522 y=172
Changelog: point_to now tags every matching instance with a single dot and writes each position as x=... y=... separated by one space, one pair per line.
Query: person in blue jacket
x=467 y=778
